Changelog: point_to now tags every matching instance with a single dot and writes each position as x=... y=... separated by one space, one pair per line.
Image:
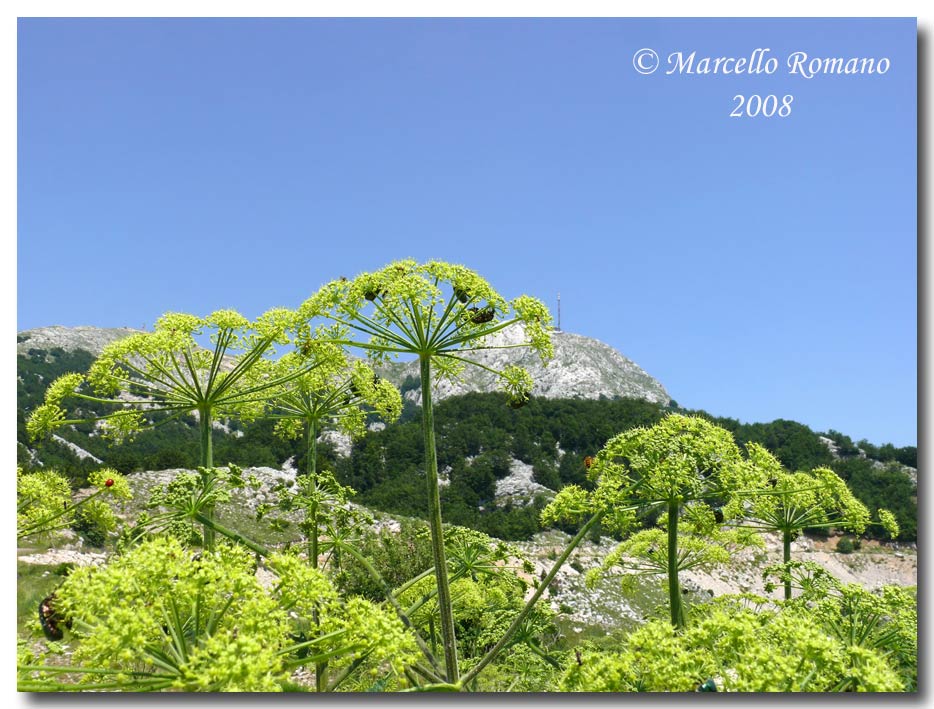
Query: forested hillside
x=479 y=437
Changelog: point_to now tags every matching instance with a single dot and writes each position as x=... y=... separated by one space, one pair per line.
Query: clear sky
x=760 y=268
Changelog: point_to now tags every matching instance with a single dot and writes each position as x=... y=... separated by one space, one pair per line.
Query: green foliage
x=845 y=545
x=45 y=505
x=205 y=622
x=887 y=487
x=397 y=556
x=94 y=521
x=887 y=453
x=486 y=595
x=171 y=619
x=739 y=649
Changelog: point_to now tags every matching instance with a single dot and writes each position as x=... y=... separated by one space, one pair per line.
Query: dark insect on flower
x=478 y=316
x=718 y=515
x=109 y=482
x=462 y=295
x=588 y=461
x=49 y=618
x=305 y=348
x=518 y=403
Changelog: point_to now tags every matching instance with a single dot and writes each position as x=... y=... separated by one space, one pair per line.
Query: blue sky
x=759 y=268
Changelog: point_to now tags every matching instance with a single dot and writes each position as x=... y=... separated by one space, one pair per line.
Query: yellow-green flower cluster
x=172 y=370
x=111 y=482
x=739 y=650
x=234 y=629
x=429 y=309
x=792 y=501
x=40 y=497
x=889 y=523
x=48 y=416
x=336 y=391
x=681 y=459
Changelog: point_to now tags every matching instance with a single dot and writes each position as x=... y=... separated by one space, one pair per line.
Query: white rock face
x=341 y=442
x=582 y=368
x=77 y=450
x=65 y=556
x=518 y=488
x=91 y=339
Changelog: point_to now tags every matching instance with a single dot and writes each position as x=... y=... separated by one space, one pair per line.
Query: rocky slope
x=90 y=339
x=582 y=368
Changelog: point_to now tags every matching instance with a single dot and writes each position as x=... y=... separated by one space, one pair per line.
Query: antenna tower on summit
x=559 y=312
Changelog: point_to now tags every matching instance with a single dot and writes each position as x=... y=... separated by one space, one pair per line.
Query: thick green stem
x=207 y=461
x=434 y=520
x=215 y=526
x=786 y=557
x=311 y=469
x=674 y=588
x=517 y=621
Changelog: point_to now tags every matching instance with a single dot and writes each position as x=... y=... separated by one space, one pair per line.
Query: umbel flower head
x=438 y=310
x=337 y=391
x=187 y=364
x=682 y=459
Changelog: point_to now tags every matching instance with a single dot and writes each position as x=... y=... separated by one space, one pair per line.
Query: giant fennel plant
x=442 y=314
x=685 y=467
x=160 y=617
x=335 y=393
x=792 y=502
x=171 y=372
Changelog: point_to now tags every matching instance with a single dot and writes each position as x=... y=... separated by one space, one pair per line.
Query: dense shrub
x=845 y=545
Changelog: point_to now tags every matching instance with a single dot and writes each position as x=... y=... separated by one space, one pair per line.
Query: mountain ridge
x=583 y=367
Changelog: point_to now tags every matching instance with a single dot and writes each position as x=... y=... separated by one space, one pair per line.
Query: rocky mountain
x=582 y=368
x=89 y=339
